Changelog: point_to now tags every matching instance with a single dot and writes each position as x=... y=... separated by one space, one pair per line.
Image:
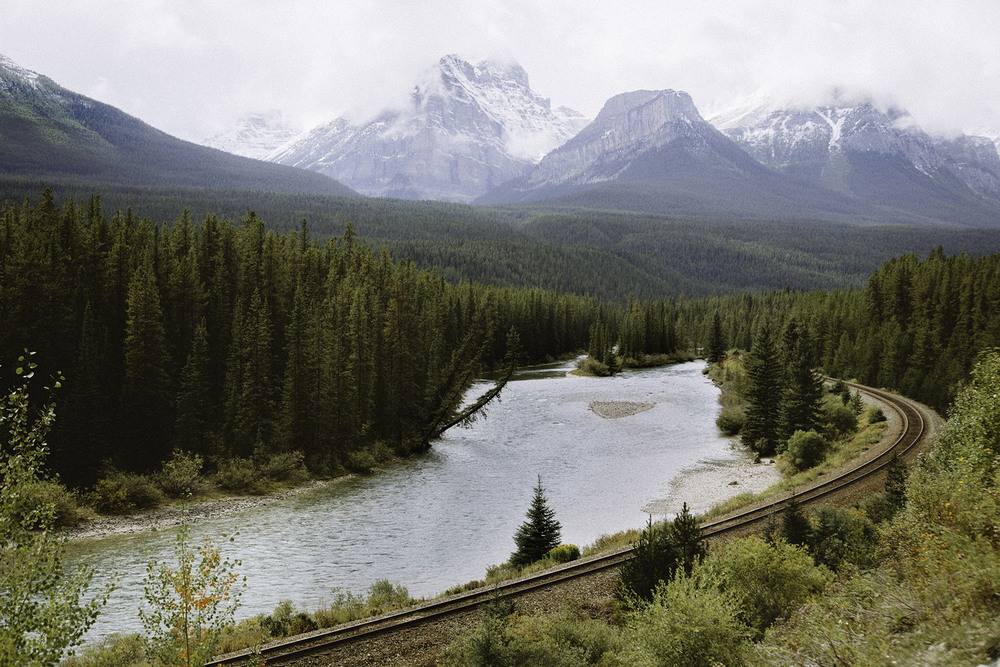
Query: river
x=440 y=519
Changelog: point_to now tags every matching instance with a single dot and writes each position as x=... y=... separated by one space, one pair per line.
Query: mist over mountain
x=465 y=129
x=49 y=131
x=879 y=155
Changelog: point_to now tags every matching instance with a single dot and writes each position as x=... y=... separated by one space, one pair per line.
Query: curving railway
x=334 y=646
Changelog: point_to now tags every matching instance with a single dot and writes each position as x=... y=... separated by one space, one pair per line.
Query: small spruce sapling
x=539 y=534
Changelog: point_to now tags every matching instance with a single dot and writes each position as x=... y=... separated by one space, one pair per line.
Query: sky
x=194 y=67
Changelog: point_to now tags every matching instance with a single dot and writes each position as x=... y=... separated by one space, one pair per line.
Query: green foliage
x=874 y=415
x=685 y=624
x=730 y=420
x=180 y=475
x=564 y=553
x=43 y=613
x=119 y=492
x=837 y=419
x=804 y=450
x=841 y=536
x=761 y=427
x=766 y=579
x=44 y=496
x=539 y=534
x=187 y=605
x=660 y=552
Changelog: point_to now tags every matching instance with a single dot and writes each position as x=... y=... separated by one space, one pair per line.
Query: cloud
x=192 y=67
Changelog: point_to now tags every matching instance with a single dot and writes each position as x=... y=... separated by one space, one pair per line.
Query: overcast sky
x=192 y=67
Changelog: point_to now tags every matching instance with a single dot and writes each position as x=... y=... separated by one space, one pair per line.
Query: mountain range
x=479 y=133
x=51 y=132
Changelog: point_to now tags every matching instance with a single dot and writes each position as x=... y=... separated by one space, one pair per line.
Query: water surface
x=440 y=519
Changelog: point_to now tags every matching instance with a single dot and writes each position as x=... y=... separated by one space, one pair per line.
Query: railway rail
x=916 y=422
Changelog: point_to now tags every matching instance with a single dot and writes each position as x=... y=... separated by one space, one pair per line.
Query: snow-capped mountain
x=256 y=135
x=466 y=129
x=628 y=125
x=653 y=151
x=857 y=147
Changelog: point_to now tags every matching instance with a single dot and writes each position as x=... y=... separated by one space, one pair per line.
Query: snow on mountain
x=826 y=143
x=12 y=68
x=466 y=128
x=629 y=124
x=256 y=135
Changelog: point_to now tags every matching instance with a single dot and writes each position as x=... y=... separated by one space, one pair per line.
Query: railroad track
x=914 y=430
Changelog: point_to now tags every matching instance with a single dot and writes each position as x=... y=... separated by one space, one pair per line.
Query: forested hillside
x=228 y=340
x=609 y=255
x=917 y=327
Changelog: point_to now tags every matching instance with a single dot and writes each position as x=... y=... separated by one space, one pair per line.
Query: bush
x=874 y=414
x=285 y=467
x=840 y=535
x=730 y=419
x=591 y=366
x=180 y=475
x=839 y=419
x=113 y=650
x=685 y=624
x=66 y=511
x=805 y=449
x=239 y=475
x=120 y=492
x=563 y=553
x=768 y=580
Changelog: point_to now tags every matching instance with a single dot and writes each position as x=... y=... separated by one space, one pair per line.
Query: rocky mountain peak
x=467 y=128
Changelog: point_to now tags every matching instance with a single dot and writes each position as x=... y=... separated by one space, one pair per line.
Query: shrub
x=730 y=419
x=66 y=511
x=563 y=553
x=120 y=492
x=685 y=624
x=839 y=419
x=591 y=366
x=805 y=449
x=768 y=580
x=874 y=414
x=115 y=649
x=285 y=467
x=180 y=475
x=840 y=535
x=240 y=475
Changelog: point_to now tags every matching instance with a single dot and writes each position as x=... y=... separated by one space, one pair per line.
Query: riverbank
x=713 y=482
x=185 y=512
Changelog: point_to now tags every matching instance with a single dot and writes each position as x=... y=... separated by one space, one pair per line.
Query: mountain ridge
x=48 y=130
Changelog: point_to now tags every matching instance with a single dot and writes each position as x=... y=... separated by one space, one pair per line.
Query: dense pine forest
x=917 y=327
x=227 y=340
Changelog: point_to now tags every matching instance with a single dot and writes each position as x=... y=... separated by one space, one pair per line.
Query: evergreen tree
x=761 y=428
x=193 y=426
x=795 y=527
x=895 y=483
x=803 y=386
x=687 y=536
x=146 y=401
x=716 y=351
x=539 y=534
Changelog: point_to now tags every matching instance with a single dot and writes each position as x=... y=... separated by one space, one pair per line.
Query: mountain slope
x=256 y=135
x=878 y=155
x=652 y=151
x=49 y=131
x=466 y=128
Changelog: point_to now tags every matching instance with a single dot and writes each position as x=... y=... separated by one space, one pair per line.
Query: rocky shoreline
x=176 y=514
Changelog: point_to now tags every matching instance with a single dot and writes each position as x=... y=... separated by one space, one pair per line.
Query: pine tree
x=795 y=526
x=145 y=394
x=803 y=387
x=761 y=427
x=539 y=534
x=716 y=351
x=687 y=537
